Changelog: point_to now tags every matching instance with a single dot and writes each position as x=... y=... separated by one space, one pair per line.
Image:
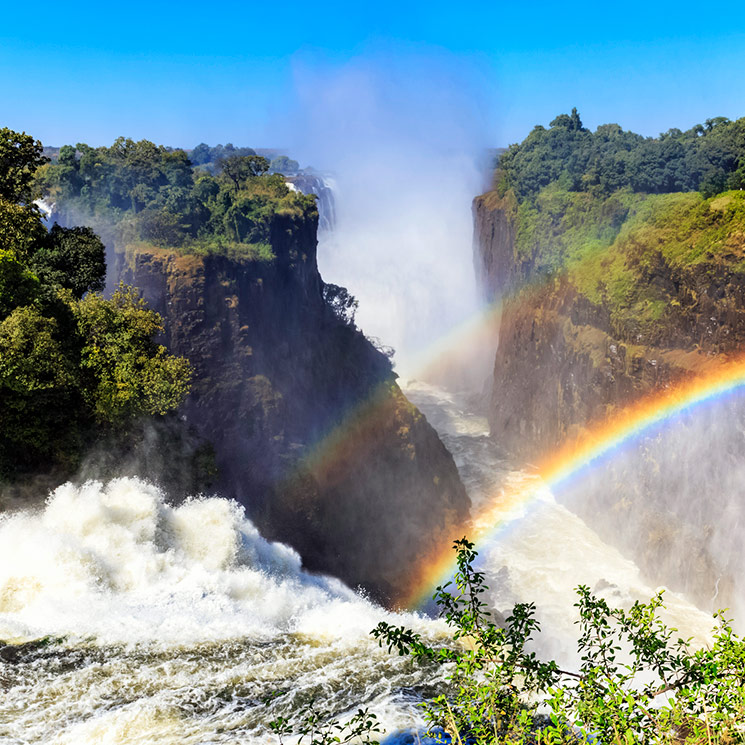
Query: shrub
x=637 y=682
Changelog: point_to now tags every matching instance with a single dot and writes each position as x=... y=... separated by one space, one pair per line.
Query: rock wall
x=562 y=365
x=309 y=429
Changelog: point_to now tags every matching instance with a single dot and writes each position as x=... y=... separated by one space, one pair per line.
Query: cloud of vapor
x=404 y=136
x=672 y=500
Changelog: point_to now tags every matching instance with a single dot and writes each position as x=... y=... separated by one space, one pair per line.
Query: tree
x=20 y=156
x=40 y=405
x=283 y=164
x=18 y=286
x=341 y=301
x=240 y=168
x=127 y=373
x=71 y=258
x=21 y=228
x=636 y=682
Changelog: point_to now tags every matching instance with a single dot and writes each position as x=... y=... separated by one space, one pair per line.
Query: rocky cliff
x=309 y=429
x=588 y=328
x=595 y=347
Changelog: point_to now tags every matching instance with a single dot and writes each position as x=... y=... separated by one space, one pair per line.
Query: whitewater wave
x=172 y=624
x=116 y=563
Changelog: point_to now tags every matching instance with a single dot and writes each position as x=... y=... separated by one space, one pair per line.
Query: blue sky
x=181 y=73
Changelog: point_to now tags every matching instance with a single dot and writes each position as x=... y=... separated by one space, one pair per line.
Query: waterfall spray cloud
x=578 y=456
x=404 y=136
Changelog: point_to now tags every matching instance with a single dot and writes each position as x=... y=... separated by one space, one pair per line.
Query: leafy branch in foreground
x=636 y=683
x=310 y=727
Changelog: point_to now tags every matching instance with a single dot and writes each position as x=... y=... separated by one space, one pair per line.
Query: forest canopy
x=709 y=157
x=139 y=191
x=73 y=365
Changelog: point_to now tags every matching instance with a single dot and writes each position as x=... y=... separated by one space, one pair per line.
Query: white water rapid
x=171 y=624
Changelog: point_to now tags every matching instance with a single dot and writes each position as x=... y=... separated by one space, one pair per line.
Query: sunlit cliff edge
x=607 y=296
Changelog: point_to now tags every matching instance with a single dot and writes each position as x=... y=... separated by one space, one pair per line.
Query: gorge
x=197 y=603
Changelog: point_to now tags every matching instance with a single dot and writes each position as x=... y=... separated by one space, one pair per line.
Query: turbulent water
x=544 y=550
x=172 y=624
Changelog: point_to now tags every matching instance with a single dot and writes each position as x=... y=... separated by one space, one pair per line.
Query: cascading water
x=174 y=623
x=544 y=550
x=133 y=621
x=171 y=624
x=323 y=186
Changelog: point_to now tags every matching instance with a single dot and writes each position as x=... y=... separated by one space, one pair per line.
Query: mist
x=404 y=140
x=672 y=499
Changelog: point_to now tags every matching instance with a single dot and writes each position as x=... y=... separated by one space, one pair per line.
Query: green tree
x=20 y=156
x=283 y=164
x=127 y=373
x=21 y=228
x=18 y=286
x=239 y=169
x=72 y=259
x=41 y=412
x=636 y=682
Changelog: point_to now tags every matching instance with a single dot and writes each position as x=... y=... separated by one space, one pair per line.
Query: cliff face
x=570 y=356
x=310 y=431
x=566 y=360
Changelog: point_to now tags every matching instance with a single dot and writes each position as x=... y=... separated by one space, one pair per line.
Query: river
x=173 y=624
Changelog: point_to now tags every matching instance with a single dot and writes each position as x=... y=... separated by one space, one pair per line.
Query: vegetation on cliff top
x=709 y=158
x=72 y=364
x=139 y=191
x=615 y=212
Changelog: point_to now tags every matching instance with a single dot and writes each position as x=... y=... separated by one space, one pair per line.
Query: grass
x=622 y=251
x=211 y=247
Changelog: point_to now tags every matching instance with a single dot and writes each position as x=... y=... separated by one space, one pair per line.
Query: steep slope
x=661 y=298
x=607 y=299
x=309 y=428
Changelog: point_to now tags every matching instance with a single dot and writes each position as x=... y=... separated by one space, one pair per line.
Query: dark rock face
x=310 y=431
x=562 y=366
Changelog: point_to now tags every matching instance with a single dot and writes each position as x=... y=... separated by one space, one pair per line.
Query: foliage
x=283 y=164
x=40 y=416
x=72 y=259
x=139 y=191
x=341 y=301
x=18 y=286
x=613 y=249
x=129 y=373
x=71 y=363
x=240 y=169
x=21 y=228
x=20 y=156
x=309 y=727
x=709 y=158
x=636 y=683
x=204 y=155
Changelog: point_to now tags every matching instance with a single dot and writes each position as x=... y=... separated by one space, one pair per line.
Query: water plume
x=404 y=135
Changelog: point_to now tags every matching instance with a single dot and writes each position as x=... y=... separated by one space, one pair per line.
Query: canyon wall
x=308 y=426
x=568 y=359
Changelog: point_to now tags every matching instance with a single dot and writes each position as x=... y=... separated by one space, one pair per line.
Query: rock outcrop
x=566 y=362
x=309 y=428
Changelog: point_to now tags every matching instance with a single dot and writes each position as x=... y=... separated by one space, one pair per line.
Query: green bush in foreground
x=637 y=683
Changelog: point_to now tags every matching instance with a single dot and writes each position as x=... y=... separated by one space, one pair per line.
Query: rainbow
x=598 y=441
